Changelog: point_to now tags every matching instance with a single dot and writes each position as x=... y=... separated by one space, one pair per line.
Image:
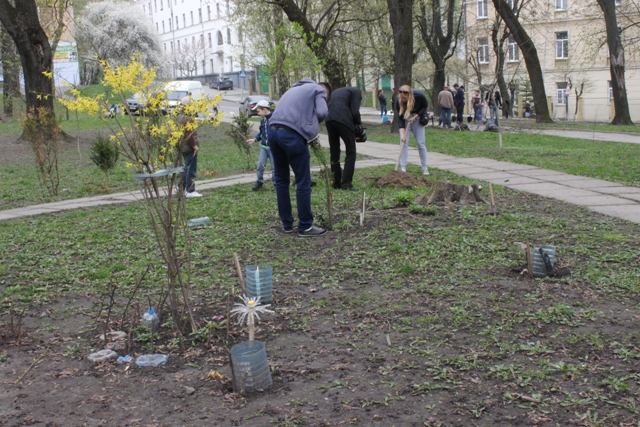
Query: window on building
x=201 y=41
x=483 y=50
x=161 y=4
x=149 y=8
x=171 y=46
x=191 y=13
x=561 y=4
x=228 y=36
x=227 y=8
x=609 y=92
x=178 y=45
x=193 y=41
x=210 y=42
x=165 y=47
x=561 y=93
x=562 y=44
x=144 y=9
x=203 y=65
x=170 y=24
x=218 y=9
x=220 y=39
x=209 y=12
x=239 y=35
x=155 y=5
x=177 y=23
x=184 y=20
x=157 y=27
x=513 y=53
x=211 y=63
x=482 y=9
x=163 y=26
x=199 y=15
x=230 y=64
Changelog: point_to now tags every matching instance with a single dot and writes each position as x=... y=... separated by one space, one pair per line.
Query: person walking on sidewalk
x=189 y=149
x=344 y=115
x=445 y=101
x=383 y=103
x=263 y=109
x=413 y=106
x=293 y=124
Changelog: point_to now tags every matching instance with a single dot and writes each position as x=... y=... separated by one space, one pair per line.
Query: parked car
x=247 y=104
x=221 y=83
x=135 y=104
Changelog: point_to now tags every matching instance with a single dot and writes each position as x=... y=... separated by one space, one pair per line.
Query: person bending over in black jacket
x=344 y=115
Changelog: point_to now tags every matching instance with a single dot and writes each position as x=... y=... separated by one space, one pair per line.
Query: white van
x=178 y=89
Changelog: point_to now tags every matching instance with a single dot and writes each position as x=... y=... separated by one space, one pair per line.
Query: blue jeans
x=493 y=113
x=265 y=153
x=189 y=173
x=445 y=116
x=289 y=148
x=478 y=116
x=383 y=110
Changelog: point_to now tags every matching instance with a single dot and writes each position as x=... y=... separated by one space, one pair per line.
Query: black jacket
x=344 y=107
x=419 y=107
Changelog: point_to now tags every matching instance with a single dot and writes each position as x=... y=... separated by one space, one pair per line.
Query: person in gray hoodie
x=294 y=123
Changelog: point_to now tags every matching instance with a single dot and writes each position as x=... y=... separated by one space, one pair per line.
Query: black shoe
x=312 y=231
x=287 y=229
x=352 y=188
x=313 y=183
x=256 y=186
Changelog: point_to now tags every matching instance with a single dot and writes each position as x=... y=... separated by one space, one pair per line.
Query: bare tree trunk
x=23 y=25
x=530 y=55
x=401 y=19
x=318 y=43
x=441 y=45
x=11 y=71
x=616 y=64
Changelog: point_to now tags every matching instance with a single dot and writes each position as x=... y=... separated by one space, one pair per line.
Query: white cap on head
x=262 y=103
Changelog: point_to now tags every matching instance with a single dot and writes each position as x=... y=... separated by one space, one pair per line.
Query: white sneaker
x=425 y=171
x=403 y=170
x=192 y=195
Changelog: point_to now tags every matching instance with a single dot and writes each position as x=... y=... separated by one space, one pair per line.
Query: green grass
x=610 y=161
x=466 y=331
x=561 y=125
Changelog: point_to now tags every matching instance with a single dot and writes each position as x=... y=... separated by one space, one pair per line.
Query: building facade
x=570 y=38
x=196 y=35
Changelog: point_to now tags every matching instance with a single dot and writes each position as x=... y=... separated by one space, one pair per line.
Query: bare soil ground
x=359 y=352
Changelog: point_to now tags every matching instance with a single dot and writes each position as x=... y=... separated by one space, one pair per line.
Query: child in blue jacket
x=263 y=109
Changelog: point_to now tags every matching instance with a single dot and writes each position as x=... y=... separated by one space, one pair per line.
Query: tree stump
x=449 y=192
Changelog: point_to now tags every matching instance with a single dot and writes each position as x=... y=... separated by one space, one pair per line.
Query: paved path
x=600 y=196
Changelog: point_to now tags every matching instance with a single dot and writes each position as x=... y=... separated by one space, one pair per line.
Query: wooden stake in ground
x=500 y=138
x=493 y=199
x=239 y=271
x=327 y=181
x=529 y=260
x=363 y=209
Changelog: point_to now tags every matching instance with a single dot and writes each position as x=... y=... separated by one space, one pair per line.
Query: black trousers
x=336 y=132
x=460 y=109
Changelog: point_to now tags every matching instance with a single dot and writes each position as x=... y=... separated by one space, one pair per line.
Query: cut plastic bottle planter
x=259 y=282
x=141 y=176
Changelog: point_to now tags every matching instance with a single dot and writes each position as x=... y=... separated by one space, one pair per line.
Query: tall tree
x=10 y=70
x=441 y=44
x=401 y=20
x=530 y=55
x=500 y=34
x=23 y=25
x=616 y=64
x=318 y=28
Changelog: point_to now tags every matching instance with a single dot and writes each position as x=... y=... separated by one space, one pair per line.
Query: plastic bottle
x=153 y=360
x=150 y=319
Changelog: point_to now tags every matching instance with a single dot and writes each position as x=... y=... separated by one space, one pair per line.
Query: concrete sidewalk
x=600 y=196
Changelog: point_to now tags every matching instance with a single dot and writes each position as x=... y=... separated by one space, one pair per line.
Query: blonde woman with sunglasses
x=412 y=105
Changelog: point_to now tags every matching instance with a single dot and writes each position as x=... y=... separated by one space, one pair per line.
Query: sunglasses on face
x=404 y=92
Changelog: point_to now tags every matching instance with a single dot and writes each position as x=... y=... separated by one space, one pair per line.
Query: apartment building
x=196 y=35
x=570 y=38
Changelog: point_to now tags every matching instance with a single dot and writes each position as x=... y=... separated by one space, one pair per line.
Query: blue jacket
x=302 y=108
x=458 y=97
x=263 y=135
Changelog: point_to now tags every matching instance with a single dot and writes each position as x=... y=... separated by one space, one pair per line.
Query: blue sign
x=243 y=74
